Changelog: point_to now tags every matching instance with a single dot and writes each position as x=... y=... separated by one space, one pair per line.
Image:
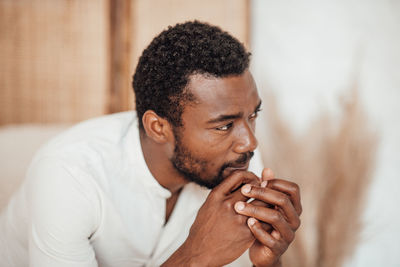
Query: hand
x=219 y=235
x=283 y=216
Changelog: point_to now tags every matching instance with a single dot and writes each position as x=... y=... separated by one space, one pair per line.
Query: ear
x=156 y=127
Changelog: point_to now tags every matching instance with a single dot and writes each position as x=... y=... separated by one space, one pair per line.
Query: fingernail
x=264 y=183
x=239 y=206
x=251 y=221
x=246 y=188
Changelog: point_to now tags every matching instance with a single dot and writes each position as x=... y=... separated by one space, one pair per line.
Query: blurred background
x=328 y=73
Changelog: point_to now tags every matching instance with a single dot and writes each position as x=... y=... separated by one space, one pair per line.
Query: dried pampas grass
x=332 y=162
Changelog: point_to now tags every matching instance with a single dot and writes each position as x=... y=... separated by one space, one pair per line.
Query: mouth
x=237 y=167
x=240 y=164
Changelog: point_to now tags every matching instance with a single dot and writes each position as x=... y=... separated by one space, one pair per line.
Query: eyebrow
x=226 y=117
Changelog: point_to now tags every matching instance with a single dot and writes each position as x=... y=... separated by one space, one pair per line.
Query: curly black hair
x=166 y=64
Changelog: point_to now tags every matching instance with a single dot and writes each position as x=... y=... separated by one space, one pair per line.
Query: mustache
x=243 y=159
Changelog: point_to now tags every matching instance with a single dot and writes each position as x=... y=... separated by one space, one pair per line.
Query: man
x=107 y=194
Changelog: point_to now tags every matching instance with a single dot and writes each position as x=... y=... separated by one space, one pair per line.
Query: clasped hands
x=273 y=217
x=228 y=224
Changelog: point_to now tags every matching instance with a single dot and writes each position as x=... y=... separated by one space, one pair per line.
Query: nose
x=246 y=140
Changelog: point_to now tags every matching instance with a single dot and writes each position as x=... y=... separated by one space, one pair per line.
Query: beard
x=194 y=168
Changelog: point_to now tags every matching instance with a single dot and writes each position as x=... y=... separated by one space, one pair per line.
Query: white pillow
x=18 y=144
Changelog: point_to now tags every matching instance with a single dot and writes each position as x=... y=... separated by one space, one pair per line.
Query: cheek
x=211 y=147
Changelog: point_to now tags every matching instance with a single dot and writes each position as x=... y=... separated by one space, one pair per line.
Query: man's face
x=217 y=136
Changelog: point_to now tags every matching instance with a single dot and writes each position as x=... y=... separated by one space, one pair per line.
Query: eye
x=225 y=127
x=255 y=114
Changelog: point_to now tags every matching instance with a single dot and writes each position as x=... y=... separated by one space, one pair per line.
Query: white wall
x=309 y=53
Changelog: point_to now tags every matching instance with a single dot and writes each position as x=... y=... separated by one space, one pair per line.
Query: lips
x=240 y=164
x=242 y=167
x=236 y=167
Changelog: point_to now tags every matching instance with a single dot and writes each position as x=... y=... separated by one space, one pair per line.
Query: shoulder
x=85 y=155
x=57 y=193
x=97 y=131
x=91 y=143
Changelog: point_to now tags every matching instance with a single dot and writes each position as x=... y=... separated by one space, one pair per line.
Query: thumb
x=267 y=174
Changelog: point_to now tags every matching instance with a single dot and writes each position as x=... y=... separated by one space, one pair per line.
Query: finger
x=275 y=198
x=235 y=180
x=277 y=246
x=263 y=185
x=267 y=227
x=289 y=188
x=271 y=216
x=238 y=196
x=267 y=174
x=275 y=234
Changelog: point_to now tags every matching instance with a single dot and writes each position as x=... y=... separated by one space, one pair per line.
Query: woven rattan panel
x=53 y=60
x=68 y=60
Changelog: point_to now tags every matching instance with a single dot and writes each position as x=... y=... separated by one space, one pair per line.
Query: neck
x=159 y=164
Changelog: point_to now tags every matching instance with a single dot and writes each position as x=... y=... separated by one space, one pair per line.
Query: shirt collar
x=138 y=163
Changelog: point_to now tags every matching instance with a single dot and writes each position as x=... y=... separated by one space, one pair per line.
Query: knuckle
x=239 y=219
x=275 y=181
x=284 y=201
x=215 y=196
x=297 y=224
x=259 y=203
x=255 y=210
x=256 y=192
x=251 y=210
x=276 y=216
x=295 y=188
x=227 y=205
x=251 y=180
x=275 y=246
x=237 y=174
x=254 y=180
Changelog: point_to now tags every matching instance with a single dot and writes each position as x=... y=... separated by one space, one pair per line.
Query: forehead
x=216 y=96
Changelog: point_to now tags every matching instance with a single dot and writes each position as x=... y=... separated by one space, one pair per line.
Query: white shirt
x=89 y=200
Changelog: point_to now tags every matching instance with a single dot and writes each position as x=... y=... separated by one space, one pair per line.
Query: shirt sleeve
x=63 y=216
